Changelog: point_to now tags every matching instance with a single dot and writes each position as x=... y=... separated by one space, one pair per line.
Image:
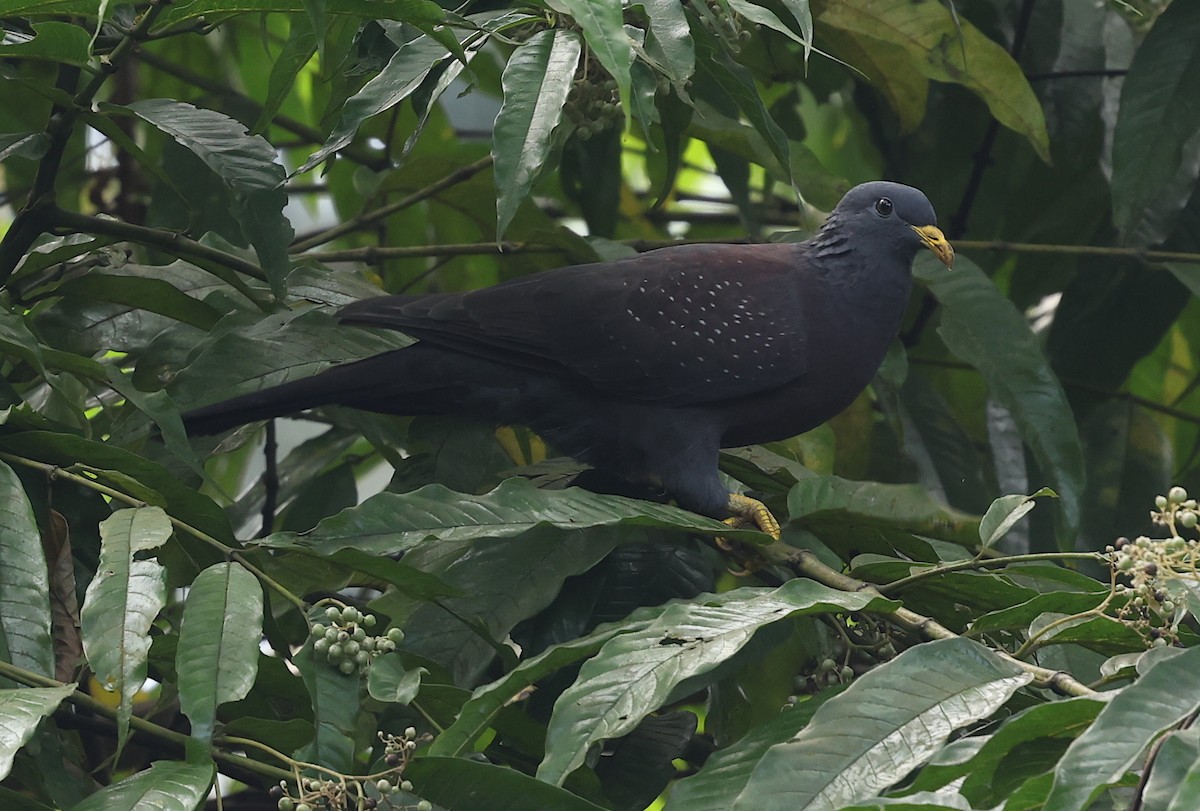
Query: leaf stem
x=54 y=471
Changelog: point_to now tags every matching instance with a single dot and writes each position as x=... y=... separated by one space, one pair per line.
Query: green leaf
x=536 y=81
x=335 y=705
x=217 y=658
x=248 y=165
x=51 y=41
x=399 y=79
x=983 y=327
x=21 y=710
x=1167 y=693
x=487 y=701
x=154 y=295
x=938 y=42
x=1005 y=512
x=603 y=25
x=670 y=31
x=113 y=463
x=388 y=680
x=411 y=11
x=725 y=774
x=390 y=523
x=121 y=603
x=884 y=725
x=24 y=583
x=299 y=48
x=1155 y=122
x=242 y=357
x=467 y=785
x=165 y=786
x=636 y=673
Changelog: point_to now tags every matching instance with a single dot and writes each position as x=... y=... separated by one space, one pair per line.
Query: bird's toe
x=748 y=510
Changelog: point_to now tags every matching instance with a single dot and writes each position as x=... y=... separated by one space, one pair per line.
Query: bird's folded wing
x=687 y=325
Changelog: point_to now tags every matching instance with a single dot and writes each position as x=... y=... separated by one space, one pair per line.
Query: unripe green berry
x=362 y=657
x=343 y=636
x=286 y=804
x=410 y=732
x=350 y=648
x=1177 y=495
x=828 y=664
x=406 y=785
x=1160 y=502
x=1188 y=519
x=334 y=613
x=368 y=644
x=369 y=620
x=321 y=646
x=318 y=630
x=347 y=667
x=395 y=635
x=424 y=805
x=384 y=785
x=359 y=634
x=334 y=653
x=303 y=807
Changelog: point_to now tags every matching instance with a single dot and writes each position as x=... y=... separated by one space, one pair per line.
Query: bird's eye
x=883 y=206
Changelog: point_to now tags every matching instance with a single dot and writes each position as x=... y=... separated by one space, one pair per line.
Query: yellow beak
x=936 y=241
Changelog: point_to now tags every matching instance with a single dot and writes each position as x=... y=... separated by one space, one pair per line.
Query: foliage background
x=193 y=187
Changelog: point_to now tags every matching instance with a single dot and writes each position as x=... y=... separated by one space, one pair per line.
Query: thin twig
x=976 y=564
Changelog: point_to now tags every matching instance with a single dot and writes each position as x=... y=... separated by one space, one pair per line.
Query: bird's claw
x=748 y=510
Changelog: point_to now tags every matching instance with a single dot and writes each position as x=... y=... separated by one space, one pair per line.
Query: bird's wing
x=686 y=325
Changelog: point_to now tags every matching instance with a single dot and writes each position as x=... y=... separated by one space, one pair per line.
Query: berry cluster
x=593 y=104
x=1153 y=570
x=343 y=793
x=859 y=638
x=344 y=642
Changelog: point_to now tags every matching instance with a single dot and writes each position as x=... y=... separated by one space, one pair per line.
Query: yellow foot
x=748 y=510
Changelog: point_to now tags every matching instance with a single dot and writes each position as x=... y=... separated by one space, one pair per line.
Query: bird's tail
x=344 y=384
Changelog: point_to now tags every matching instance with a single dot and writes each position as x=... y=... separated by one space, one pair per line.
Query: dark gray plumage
x=645 y=367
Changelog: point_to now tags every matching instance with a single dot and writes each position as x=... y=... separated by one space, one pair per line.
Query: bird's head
x=893 y=216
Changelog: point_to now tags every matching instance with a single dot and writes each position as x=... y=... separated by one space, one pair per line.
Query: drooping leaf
x=1155 y=124
x=246 y=163
x=603 y=27
x=165 y=786
x=21 y=710
x=24 y=586
x=636 y=673
x=983 y=327
x=536 y=82
x=1167 y=693
x=218 y=643
x=121 y=603
x=885 y=724
x=1004 y=513
x=468 y=785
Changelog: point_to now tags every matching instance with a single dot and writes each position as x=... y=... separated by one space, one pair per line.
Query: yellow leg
x=748 y=510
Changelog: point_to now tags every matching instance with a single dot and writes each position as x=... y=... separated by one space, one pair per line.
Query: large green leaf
x=217 y=658
x=336 y=706
x=246 y=163
x=165 y=786
x=536 y=82
x=670 y=31
x=121 y=603
x=21 y=710
x=24 y=583
x=50 y=41
x=985 y=329
x=246 y=354
x=390 y=523
x=1156 y=121
x=636 y=673
x=884 y=725
x=1167 y=693
x=947 y=48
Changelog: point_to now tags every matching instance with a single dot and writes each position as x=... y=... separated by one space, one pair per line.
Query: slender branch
x=161 y=733
x=171 y=241
x=270 y=481
x=368 y=218
x=1140 y=254
x=806 y=564
x=977 y=564
x=57 y=472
